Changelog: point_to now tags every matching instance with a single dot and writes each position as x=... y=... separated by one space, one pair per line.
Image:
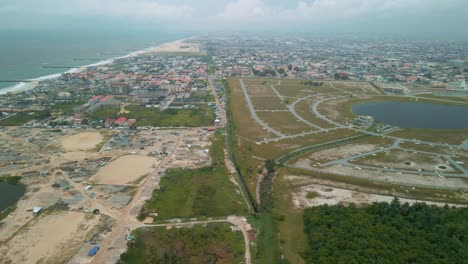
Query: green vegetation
x=65 y=108
x=203 y=192
x=213 y=243
x=386 y=233
x=22 y=118
x=6 y=212
x=11 y=179
x=166 y=118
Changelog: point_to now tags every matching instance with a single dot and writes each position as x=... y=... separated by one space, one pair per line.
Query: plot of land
x=284 y=122
x=213 y=243
x=406 y=160
x=52 y=238
x=125 y=170
x=82 y=141
x=267 y=103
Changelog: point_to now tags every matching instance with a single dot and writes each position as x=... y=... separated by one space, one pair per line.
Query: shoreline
x=26 y=86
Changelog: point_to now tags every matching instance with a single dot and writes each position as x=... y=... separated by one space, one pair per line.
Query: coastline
x=26 y=86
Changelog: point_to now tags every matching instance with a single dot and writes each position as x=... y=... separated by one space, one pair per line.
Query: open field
x=303 y=108
x=22 y=118
x=406 y=160
x=125 y=170
x=268 y=103
x=82 y=141
x=275 y=149
x=284 y=122
x=298 y=90
x=202 y=192
x=51 y=238
x=245 y=126
x=208 y=243
x=155 y=117
x=260 y=90
x=454 y=137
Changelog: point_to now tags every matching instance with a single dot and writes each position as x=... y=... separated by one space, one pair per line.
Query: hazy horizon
x=407 y=18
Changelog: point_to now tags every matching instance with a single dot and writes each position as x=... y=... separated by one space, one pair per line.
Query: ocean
x=26 y=55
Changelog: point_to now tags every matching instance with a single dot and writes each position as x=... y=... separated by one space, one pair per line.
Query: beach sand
x=177 y=47
x=125 y=170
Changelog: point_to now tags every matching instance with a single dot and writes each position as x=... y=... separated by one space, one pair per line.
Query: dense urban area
x=242 y=149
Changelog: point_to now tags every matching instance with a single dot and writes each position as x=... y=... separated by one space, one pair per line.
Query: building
x=120 y=88
x=363 y=121
x=64 y=95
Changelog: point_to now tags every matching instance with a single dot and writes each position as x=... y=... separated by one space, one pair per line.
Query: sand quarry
x=125 y=170
x=51 y=238
x=82 y=141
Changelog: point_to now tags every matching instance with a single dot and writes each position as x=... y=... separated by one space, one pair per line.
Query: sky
x=405 y=17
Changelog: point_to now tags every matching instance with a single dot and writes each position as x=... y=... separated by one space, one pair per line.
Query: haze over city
x=233 y=131
x=420 y=18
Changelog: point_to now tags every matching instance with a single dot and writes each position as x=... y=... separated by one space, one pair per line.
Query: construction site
x=82 y=184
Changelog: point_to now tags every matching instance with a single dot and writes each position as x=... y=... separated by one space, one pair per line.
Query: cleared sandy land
x=125 y=170
x=82 y=141
x=177 y=46
x=51 y=238
x=316 y=195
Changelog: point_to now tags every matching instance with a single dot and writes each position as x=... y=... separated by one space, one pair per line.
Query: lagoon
x=416 y=115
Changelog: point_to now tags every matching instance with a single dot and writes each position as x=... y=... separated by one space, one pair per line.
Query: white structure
x=463 y=85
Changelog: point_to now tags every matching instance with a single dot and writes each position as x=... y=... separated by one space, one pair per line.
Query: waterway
x=10 y=194
x=416 y=115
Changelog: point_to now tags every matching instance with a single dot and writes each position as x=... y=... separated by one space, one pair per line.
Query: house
x=121 y=121
x=94 y=99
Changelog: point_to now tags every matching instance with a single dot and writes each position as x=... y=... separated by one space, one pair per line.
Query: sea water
x=24 y=55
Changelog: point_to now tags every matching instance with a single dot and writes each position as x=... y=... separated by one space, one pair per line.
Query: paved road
x=292 y=109
x=254 y=114
x=396 y=146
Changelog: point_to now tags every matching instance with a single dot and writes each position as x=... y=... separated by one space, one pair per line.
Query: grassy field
x=213 y=243
x=65 y=108
x=454 y=137
x=303 y=108
x=243 y=123
x=22 y=118
x=273 y=150
x=267 y=103
x=285 y=122
x=155 y=117
x=450 y=98
x=203 y=192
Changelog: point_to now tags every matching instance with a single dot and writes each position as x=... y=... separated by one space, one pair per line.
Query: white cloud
x=104 y=8
x=243 y=9
x=135 y=8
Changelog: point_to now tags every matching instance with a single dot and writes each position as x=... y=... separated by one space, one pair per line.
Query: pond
x=416 y=115
x=10 y=194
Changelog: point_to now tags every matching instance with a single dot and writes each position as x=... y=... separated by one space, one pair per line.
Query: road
x=254 y=114
x=114 y=243
x=396 y=146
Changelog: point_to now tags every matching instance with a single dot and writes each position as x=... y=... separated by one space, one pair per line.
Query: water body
x=23 y=54
x=10 y=194
x=416 y=115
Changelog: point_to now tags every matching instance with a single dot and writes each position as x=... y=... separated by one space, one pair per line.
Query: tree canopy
x=386 y=233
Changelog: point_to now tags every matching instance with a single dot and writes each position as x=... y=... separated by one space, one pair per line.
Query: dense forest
x=386 y=233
